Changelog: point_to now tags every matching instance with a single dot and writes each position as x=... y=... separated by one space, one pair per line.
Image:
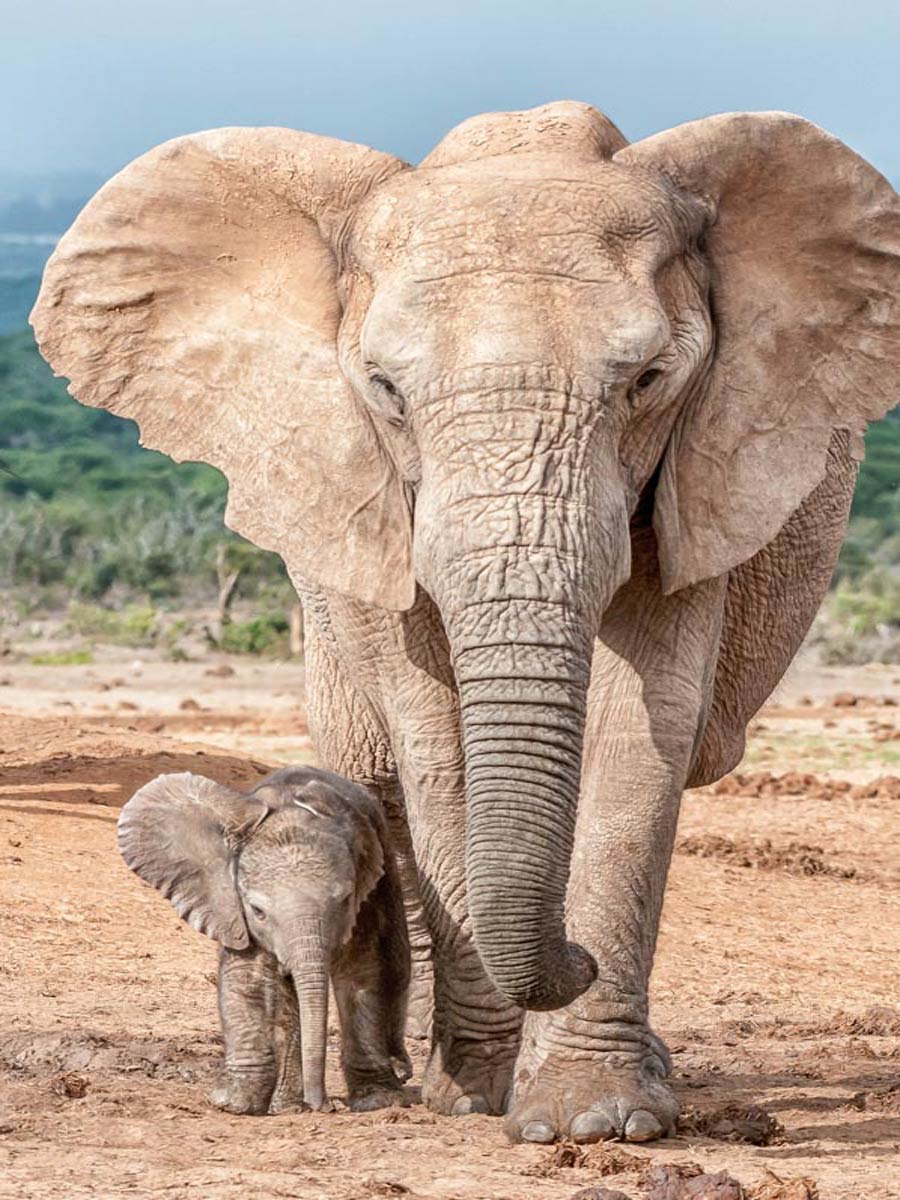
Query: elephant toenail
x=591 y=1127
x=642 y=1126
x=469 y=1104
x=538 y=1131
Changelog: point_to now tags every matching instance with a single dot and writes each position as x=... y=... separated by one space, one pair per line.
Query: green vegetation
x=63 y=658
x=90 y=520
x=265 y=634
x=92 y=523
x=134 y=625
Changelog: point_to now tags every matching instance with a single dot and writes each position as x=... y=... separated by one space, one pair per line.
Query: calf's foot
x=242 y=1095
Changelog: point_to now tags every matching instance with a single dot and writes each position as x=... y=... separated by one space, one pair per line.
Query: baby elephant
x=297 y=882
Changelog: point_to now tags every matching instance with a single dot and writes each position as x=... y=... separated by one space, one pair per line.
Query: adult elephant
x=557 y=436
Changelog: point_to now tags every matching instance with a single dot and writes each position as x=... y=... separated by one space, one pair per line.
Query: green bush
x=63 y=658
x=265 y=634
x=867 y=606
x=134 y=625
x=85 y=512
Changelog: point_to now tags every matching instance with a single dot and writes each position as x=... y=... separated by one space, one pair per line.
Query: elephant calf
x=297 y=882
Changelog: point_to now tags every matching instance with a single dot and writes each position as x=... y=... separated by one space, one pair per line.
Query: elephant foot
x=246 y=1097
x=592 y=1091
x=401 y=1065
x=469 y=1076
x=369 y=1099
x=287 y=1099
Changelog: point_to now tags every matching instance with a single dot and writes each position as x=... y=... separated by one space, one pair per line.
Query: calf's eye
x=257 y=912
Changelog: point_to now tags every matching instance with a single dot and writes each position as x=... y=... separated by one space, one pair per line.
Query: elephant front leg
x=475 y=1034
x=595 y=1069
x=288 y=1093
x=371 y=981
x=249 y=993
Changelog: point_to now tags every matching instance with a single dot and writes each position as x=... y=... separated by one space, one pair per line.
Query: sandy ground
x=777 y=980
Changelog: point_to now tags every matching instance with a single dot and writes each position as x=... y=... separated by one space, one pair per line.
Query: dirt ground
x=777 y=981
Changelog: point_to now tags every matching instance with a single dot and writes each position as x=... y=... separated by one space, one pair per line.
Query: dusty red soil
x=777 y=983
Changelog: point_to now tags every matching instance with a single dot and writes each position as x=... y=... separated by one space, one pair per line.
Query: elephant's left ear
x=803 y=246
x=196 y=294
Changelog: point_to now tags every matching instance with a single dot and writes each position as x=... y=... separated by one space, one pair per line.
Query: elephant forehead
x=584 y=221
x=292 y=839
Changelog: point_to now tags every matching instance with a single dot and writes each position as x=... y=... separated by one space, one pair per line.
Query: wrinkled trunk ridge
x=309 y=967
x=522 y=711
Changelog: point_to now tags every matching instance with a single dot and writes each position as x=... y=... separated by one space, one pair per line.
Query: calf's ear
x=179 y=833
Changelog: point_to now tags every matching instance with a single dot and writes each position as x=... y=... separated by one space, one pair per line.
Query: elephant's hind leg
x=595 y=1069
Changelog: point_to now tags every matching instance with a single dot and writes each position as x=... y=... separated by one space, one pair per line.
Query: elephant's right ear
x=196 y=294
x=178 y=833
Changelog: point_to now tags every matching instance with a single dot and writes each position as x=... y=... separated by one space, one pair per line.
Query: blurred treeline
x=88 y=517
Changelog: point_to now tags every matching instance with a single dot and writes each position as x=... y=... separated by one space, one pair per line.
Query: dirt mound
x=751 y=1124
x=59 y=1055
x=602 y=1159
x=774 y=1188
x=878 y=1021
x=61 y=760
x=599 y=1193
x=797 y=858
x=688 y=1182
x=797 y=783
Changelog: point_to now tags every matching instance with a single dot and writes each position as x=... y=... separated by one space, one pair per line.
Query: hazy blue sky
x=91 y=83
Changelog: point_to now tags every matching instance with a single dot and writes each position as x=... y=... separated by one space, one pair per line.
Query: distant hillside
x=34 y=211
x=85 y=511
x=22 y=258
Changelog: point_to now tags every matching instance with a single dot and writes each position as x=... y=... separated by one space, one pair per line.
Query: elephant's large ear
x=179 y=833
x=196 y=294
x=804 y=251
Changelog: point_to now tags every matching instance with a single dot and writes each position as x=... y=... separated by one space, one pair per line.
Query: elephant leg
x=475 y=1032
x=288 y=1093
x=595 y=1069
x=420 y=1005
x=371 y=980
x=249 y=991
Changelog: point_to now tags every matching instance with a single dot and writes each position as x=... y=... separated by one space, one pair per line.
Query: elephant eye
x=382 y=381
x=388 y=401
x=257 y=912
x=645 y=380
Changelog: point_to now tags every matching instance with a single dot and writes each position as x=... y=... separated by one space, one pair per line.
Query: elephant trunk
x=308 y=961
x=522 y=711
x=521 y=548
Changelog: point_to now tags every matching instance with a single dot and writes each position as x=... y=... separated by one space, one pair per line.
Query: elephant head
x=286 y=866
x=464 y=375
